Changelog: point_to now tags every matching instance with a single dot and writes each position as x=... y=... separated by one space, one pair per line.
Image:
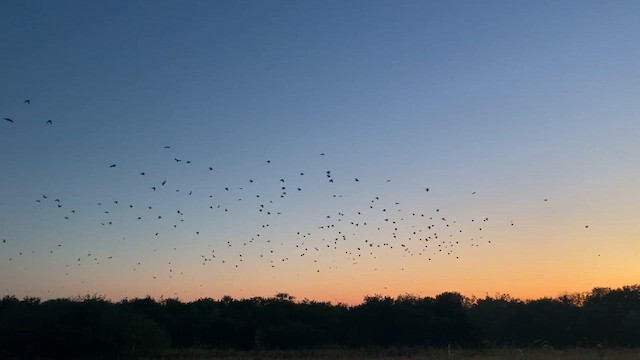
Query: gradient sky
x=516 y=101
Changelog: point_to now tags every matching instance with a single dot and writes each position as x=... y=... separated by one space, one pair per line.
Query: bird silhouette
x=27 y=101
x=49 y=122
x=9 y=120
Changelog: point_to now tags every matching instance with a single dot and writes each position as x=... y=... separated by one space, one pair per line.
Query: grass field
x=410 y=354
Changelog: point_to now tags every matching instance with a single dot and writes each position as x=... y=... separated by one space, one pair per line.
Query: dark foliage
x=95 y=327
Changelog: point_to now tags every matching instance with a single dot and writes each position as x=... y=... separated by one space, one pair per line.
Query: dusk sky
x=521 y=118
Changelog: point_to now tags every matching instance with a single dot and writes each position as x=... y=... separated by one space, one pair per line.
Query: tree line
x=92 y=326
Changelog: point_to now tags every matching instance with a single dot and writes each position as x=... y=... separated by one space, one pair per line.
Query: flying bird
x=49 y=122
x=27 y=101
x=9 y=120
x=112 y=166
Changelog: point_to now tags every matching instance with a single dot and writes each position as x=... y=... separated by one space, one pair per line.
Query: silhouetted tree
x=94 y=327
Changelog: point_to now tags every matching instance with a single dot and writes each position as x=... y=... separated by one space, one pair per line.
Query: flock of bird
x=359 y=232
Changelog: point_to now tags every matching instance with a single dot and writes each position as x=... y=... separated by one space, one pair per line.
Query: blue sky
x=516 y=101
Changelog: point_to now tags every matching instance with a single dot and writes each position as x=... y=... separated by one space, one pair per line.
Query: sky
x=521 y=118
